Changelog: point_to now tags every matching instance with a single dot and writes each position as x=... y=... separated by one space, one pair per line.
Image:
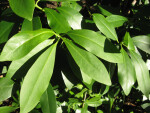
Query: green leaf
x=88 y=63
x=142 y=42
x=61 y=0
x=94 y=102
x=126 y=73
x=7 y=109
x=23 y=8
x=56 y=21
x=31 y=25
x=68 y=84
x=128 y=41
x=96 y=44
x=5 y=29
x=116 y=20
x=6 y=85
x=142 y=73
x=73 y=17
x=17 y=64
x=22 y=43
x=48 y=101
x=105 y=27
x=73 y=5
x=37 y=80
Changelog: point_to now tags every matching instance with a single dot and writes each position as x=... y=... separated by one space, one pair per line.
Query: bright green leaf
x=88 y=63
x=116 y=20
x=6 y=85
x=73 y=17
x=37 y=80
x=17 y=64
x=23 y=8
x=48 y=101
x=7 y=109
x=22 y=43
x=57 y=21
x=94 y=102
x=105 y=27
x=142 y=73
x=142 y=42
x=73 y=5
x=128 y=41
x=96 y=44
x=126 y=73
x=5 y=29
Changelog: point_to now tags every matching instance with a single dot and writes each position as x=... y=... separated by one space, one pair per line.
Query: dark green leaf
x=126 y=73
x=31 y=25
x=48 y=101
x=142 y=73
x=22 y=43
x=5 y=29
x=105 y=27
x=116 y=20
x=73 y=17
x=37 y=80
x=142 y=42
x=6 y=85
x=56 y=21
x=23 y=8
x=88 y=63
x=128 y=41
x=96 y=44
x=7 y=109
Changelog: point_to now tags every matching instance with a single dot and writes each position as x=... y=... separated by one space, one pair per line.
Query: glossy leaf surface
x=105 y=27
x=22 y=43
x=142 y=73
x=17 y=64
x=73 y=17
x=142 y=42
x=126 y=73
x=128 y=41
x=37 y=80
x=96 y=44
x=56 y=21
x=88 y=63
x=48 y=101
x=5 y=29
x=116 y=20
x=23 y=8
x=6 y=85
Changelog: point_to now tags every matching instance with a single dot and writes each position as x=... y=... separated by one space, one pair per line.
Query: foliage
x=74 y=56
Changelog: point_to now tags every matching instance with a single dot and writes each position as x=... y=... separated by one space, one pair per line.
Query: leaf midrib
x=106 y=27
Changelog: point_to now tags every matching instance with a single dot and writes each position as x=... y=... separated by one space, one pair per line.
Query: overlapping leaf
x=7 y=109
x=73 y=17
x=96 y=44
x=126 y=73
x=37 y=80
x=22 y=43
x=23 y=8
x=56 y=21
x=142 y=42
x=48 y=101
x=88 y=63
x=105 y=27
x=142 y=73
x=31 y=25
x=5 y=29
x=116 y=20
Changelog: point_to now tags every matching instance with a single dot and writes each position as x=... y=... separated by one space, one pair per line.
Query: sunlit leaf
x=37 y=80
